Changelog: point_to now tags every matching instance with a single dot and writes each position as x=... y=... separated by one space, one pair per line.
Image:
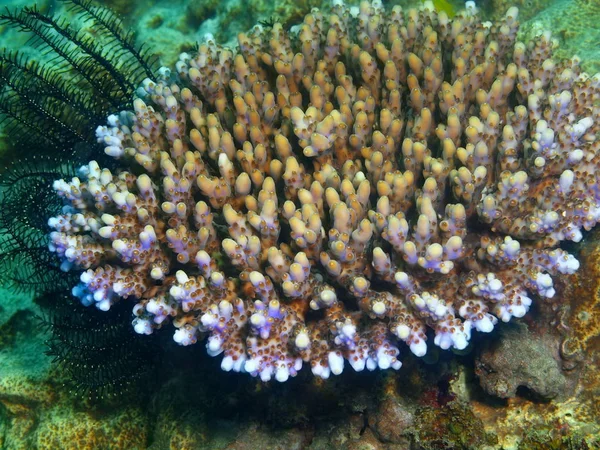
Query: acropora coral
x=340 y=191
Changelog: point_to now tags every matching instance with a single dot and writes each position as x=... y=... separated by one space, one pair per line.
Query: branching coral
x=320 y=195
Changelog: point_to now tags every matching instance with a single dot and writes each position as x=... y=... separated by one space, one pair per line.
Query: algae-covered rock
x=453 y=426
x=519 y=359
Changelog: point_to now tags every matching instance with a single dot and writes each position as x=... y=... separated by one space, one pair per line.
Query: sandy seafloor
x=433 y=404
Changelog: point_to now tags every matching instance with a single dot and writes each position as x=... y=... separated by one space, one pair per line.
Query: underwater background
x=74 y=377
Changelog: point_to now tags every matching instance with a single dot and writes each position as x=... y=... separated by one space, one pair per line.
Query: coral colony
x=322 y=195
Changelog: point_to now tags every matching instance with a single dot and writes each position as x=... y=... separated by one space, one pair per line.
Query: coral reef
x=321 y=196
x=197 y=406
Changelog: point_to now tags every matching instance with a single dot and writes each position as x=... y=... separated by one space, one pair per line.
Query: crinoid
x=25 y=201
x=49 y=109
x=103 y=358
x=56 y=104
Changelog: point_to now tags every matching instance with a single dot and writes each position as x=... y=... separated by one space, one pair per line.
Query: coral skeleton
x=341 y=192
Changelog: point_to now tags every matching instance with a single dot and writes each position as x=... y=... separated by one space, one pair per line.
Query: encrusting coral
x=321 y=194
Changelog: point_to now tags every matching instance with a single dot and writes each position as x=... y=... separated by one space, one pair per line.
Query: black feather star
x=104 y=359
x=61 y=101
x=49 y=110
x=26 y=201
